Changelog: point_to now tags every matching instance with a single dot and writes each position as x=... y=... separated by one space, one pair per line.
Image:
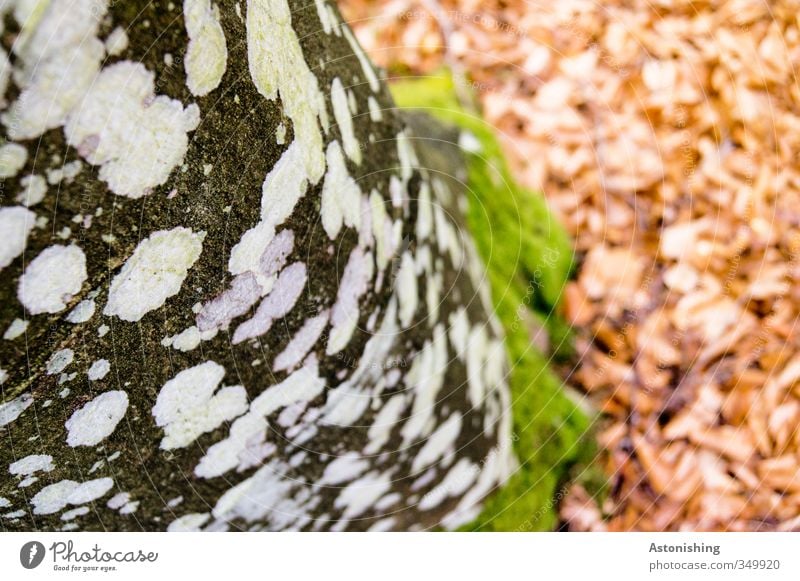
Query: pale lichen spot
x=74 y=513
x=53 y=498
x=440 y=442
x=117 y=41
x=187 y=405
x=11 y=410
x=16 y=224
x=136 y=137
x=325 y=18
x=59 y=361
x=95 y=421
x=12 y=159
x=366 y=66
x=32 y=464
x=341 y=196
x=154 y=272
x=278 y=67
x=16 y=329
x=246 y=446
x=341 y=112
x=345 y=468
x=244 y=292
x=277 y=304
x=301 y=343
x=34 y=190
x=283 y=187
x=82 y=312
x=375 y=113
x=188 y=523
x=57 y=47
x=345 y=313
x=207 y=53
x=52 y=279
x=90 y=491
x=99 y=369
x=188 y=339
x=407 y=291
x=119 y=500
x=359 y=496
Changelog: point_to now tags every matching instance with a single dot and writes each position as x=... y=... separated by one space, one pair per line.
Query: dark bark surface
x=137 y=396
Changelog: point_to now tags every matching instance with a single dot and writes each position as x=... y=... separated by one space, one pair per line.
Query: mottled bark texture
x=235 y=292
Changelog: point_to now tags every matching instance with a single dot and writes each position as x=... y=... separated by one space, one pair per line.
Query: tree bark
x=235 y=289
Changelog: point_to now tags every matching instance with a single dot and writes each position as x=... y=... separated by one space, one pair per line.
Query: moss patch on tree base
x=529 y=258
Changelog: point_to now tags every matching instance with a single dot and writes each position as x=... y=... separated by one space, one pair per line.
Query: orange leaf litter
x=665 y=135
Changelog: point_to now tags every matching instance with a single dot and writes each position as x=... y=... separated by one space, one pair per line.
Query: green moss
x=529 y=259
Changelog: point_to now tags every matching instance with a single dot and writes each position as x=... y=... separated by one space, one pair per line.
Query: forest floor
x=665 y=136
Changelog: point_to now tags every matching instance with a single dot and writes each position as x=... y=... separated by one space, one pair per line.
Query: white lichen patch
x=187 y=406
x=82 y=312
x=52 y=279
x=277 y=304
x=117 y=41
x=31 y=464
x=16 y=329
x=245 y=446
x=385 y=421
x=59 y=361
x=136 y=137
x=119 y=500
x=456 y=482
x=188 y=523
x=188 y=339
x=341 y=196
x=16 y=224
x=426 y=376
x=58 y=47
x=360 y=495
x=375 y=112
x=345 y=313
x=341 y=112
x=67 y=172
x=97 y=420
x=11 y=410
x=154 y=272
x=244 y=292
x=74 y=513
x=278 y=67
x=366 y=66
x=283 y=186
x=12 y=159
x=301 y=343
x=34 y=190
x=325 y=18
x=345 y=468
x=407 y=290
x=90 y=491
x=53 y=498
x=99 y=369
x=440 y=442
x=207 y=53
x=5 y=74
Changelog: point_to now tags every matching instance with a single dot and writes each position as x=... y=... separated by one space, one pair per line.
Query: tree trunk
x=235 y=289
